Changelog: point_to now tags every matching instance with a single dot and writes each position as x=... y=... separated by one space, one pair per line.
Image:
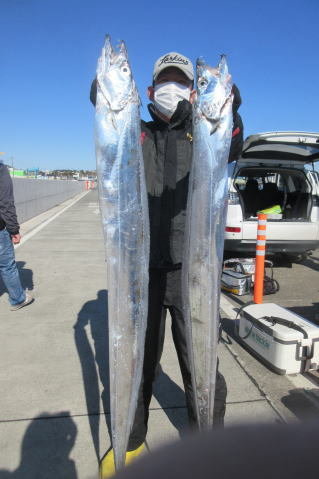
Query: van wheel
x=298 y=258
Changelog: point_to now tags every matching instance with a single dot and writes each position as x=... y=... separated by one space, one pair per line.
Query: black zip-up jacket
x=8 y=216
x=167 y=153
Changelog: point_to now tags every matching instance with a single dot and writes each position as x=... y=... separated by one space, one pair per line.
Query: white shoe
x=28 y=299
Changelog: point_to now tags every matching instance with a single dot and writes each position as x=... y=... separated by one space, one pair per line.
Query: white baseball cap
x=176 y=60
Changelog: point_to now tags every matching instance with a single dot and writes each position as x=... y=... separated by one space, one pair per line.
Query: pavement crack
x=247 y=401
x=48 y=418
x=241 y=363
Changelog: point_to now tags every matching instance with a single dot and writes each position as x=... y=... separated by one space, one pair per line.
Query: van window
x=260 y=188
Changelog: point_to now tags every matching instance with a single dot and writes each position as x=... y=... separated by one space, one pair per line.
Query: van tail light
x=233 y=198
x=233 y=229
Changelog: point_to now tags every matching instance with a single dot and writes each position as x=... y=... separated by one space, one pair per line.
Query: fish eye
x=202 y=82
x=125 y=69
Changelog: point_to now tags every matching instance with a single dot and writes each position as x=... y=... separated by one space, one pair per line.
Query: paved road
x=293 y=396
x=299 y=286
x=54 y=408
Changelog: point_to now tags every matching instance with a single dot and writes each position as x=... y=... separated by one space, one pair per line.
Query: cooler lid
x=284 y=333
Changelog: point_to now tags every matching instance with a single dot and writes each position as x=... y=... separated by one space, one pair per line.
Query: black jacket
x=167 y=152
x=8 y=216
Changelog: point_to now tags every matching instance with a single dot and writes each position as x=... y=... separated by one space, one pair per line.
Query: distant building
x=16 y=173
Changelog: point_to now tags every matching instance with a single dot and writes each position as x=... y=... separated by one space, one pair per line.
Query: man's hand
x=16 y=238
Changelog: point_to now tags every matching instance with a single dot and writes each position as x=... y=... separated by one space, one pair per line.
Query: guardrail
x=33 y=197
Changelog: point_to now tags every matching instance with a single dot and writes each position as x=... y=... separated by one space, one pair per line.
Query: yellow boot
x=107 y=467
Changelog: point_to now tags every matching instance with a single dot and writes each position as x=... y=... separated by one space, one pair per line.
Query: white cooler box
x=282 y=348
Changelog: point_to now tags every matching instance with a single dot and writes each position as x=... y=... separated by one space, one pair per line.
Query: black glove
x=93 y=92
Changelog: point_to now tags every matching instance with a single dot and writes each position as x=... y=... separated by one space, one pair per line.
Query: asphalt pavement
x=54 y=411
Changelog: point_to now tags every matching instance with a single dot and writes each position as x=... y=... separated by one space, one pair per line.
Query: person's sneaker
x=28 y=299
x=107 y=467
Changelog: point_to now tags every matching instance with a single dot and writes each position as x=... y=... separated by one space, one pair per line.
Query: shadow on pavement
x=311 y=262
x=26 y=277
x=281 y=261
x=93 y=322
x=308 y=312
x=167 y=392
x=240 y=300
x=228 y=328
x=45 y=449
x=301 y=405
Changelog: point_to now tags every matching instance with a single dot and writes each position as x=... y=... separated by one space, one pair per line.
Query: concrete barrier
x=33 y=197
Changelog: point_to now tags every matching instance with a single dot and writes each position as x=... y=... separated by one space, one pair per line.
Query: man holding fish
x=167 y=145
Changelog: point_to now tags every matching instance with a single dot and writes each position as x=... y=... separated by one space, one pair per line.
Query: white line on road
x=27 y=236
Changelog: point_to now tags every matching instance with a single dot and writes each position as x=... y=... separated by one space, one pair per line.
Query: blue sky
x=49 y=50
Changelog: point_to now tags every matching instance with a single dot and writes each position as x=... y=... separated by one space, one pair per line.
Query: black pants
x=165 y=293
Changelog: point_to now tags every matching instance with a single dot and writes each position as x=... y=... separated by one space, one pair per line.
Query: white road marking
x=94 y=205
x=32 y=233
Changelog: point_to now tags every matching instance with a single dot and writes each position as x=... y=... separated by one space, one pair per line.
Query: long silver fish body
x=204 y=234
x=124 y=210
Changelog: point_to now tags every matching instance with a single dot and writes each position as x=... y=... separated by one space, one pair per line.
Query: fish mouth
x=114 y=77
x=115 y=54
x=208 y=79
x=221 y=70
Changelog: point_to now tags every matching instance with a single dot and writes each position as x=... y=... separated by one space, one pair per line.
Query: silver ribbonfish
x=124 y=209
x=204 y=234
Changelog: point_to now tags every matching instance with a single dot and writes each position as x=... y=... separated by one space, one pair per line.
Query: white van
x=275 y=169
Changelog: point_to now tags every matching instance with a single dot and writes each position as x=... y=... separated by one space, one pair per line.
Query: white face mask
x=167 y=95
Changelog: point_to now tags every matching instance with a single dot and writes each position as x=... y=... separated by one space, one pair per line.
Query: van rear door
x=282 y=147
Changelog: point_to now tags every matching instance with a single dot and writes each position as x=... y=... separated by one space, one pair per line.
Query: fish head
x=114 y=77
x=214 y=86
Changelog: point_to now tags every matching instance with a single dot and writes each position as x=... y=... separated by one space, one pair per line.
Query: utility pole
x=12 y=158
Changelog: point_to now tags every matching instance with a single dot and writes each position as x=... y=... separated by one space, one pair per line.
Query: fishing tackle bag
x=242 y=282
